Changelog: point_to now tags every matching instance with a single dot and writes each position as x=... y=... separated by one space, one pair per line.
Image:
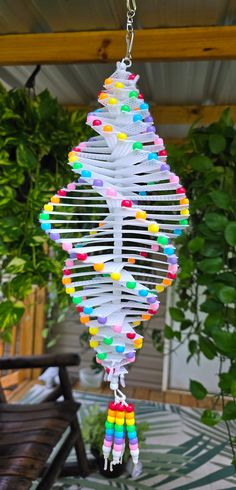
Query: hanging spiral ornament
x=117 y=221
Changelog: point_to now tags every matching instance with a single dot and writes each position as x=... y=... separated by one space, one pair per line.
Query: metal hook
x=131 y=10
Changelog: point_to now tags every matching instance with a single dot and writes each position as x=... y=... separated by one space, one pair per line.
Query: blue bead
x=169 y=250
x=131 y=435
x=137 y=117
x=142 y=193
x=152 y=156
x=144 y=106
x=109 y=432
x=178 y=232
x=46 y=226
x=88 y=310
x=120 y=348
x=86 y=173
x=143 y=292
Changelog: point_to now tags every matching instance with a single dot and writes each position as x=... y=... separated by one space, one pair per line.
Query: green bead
x=125 y=108
x=77 y=165
x=183 y=222
x=44 y=216
x=106 y=275
x=133 y=93
x=137 y=146
x=101 y=356
x=77 y=300
x=119 y=428
x=131 y=284
x=130 y=428
x=109 y=425
x=108 y=341
x=162 y=240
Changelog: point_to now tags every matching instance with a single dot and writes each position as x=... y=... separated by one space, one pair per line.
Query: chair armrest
x=44 y=361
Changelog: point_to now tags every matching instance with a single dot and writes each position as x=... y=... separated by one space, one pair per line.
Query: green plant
x=205 y=289
x=35 y=136
x=93 y=429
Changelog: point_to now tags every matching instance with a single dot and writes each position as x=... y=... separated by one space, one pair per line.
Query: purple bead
x=165 y=167
x=134 y=440
x=102 y=320
x=73 y=255
x=152 y=299
x=148 y=119
x=81 y=181
x=108 y=438
x=118 y=440
x=55 y=236
x=172 y=259
x=98 y=183
x=130 y=355
x=151 y=129
x=93 y=138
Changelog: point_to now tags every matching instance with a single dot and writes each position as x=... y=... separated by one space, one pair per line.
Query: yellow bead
x=93 y=344
x=184 y=201
x=120 y=421
x=141 y=215
x=98 y=267
x=184 y=211
x=92 y=232
x=160 y=288
x=70 y=290
x=73 y=159
x=48 y=207
x=122 y=136
x=107 y=128
x=108 y=81
x=115 y=276
x=93 y=330
x=138 y=342
x=111 y=419
x=137 y=323
x=153 y=228
x=130 y=421
x=112 y=101
x=119 y=85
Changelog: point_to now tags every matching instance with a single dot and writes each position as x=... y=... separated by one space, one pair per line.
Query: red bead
x=81 y=256
x=131 y=76
x=143 y=254
x=171 y=276
x=129 y=408
x=97 y=122
x=107 y=370
x=162 y=153
x=61 y=192
x=76 y=149
x=126 y=204
x=140 y=96
x=131 y=336
x=120 y=407
x=67 y=272
x=112 y=406
x=79 y=309
x=151 y=312
x=180 y=190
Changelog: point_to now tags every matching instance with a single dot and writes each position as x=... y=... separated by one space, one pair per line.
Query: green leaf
x=225 y=382
x=197 y=389
x=226 y=294
x=10 y=314
x=217 y=143
x=200 y=163
x=176 y=314
x=225 y=341
x=210 y=418
x=211 y=266
x=215 y=221
x=168 y=332
x=212 y=321
x=229 y=412
x=195 y=244
x=212 y=249
x=230 y=233
x=16 y=265
x=210 y=306
x=207 y=347
x=25 y=157
x=221 y=199
x=233 y=388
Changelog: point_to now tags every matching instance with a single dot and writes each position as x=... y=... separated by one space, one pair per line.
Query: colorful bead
x=137 y=146
x=108 y=341
x=96 y=122
x=120 y=348
x=141 y=215
x=125 y=108
x=122 y=136
x=112 y=101
x=133 y=93
x=153 y=228
x=126 y=203
x=162 y=240
x=137 y=117
x=101 y=356
x=115 y=276
x=107 y=128
x=131 y=284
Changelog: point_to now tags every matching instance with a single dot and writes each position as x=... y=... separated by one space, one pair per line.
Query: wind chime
x=117 y=221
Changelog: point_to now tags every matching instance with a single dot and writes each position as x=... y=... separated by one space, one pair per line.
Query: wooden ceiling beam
x=179 y=114
x=162 y=44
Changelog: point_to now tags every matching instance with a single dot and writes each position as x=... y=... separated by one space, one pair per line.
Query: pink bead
x=155 y=306
x=158 y=141
x=98 y=361
x=111 y=192
x=117 y=328
x=90 y=119
x=174 y=179
x=172 y=268
x=117 y=447
x=71 y=187
x=67 y=246
x=84 y=298
x=69 y=262
x=133 y=447
x=155 y=247
x=107 y=443
x=83 y=144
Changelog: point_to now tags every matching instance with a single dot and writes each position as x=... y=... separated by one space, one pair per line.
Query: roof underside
x=179 y=83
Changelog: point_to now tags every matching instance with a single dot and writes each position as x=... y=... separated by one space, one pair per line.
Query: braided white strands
x=117 y=221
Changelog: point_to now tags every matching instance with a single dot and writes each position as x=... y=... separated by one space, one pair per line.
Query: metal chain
x=131 y=10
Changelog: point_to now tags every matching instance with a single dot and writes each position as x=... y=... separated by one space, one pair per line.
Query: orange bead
x=184 y=201
x=98 y=267
x=55 y=199
x=103 y=96
x=131 y=261
x=108 y=81
x=101 y=224
x=66 y=280
x=146 y=317
x=108 y=128
x=84 y=319
x=167 y=282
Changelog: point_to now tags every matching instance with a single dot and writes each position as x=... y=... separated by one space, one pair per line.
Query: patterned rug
x=180 y=452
